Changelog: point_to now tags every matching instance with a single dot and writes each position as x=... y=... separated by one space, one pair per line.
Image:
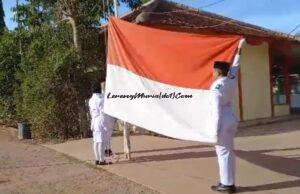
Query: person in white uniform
x=225 y=120
x=98 y=121
x=109 y=123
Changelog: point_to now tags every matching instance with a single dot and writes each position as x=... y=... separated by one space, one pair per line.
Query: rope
x=216 y=25
x=205 y=6
x=230 y=21
x=211 y=4
x=294 y=29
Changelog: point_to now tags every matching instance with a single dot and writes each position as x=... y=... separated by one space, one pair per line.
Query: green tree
x=46 y=63
x=60 y=45
x=84 y=16
x=145 y=1
x=33 y=14
x=9 y=64
x=46 y=96
x=2 y=22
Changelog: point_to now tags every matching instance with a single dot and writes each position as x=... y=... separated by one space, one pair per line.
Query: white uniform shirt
x=100 y=120
x=222 y=114
x=96 y=103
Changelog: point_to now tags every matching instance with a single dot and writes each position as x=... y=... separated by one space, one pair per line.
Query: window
x=295 y=83
x=279 y=79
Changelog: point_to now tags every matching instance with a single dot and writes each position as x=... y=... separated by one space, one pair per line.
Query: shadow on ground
x=269 y=129
x=279 y=164
x=262 y=158
x=271 y=186
x=159 y=157
x=168 y=149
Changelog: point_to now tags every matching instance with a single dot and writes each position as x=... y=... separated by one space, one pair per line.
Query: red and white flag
x=159 y=79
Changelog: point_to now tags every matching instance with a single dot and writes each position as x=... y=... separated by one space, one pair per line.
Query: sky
x=278 y=15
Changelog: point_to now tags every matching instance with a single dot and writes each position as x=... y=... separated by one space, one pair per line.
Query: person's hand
x=241 y=43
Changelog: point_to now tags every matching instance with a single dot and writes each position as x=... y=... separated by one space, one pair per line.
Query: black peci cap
x=222 y=65
x=96 y=88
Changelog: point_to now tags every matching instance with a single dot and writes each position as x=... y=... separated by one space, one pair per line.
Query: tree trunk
x=83 y=120
x=76 y=39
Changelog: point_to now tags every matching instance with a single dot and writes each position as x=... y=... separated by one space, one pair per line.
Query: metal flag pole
x=116 y=8
x=126 y=133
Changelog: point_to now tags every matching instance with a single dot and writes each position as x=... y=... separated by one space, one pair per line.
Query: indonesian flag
x=159 y=80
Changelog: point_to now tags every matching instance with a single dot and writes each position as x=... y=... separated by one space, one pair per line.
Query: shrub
x=9 y=64
x=47 y=96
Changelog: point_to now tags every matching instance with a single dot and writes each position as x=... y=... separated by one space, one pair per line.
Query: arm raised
x=234 y=69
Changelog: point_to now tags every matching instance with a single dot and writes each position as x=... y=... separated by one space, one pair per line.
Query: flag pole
x=126 y=133
x=116 y=8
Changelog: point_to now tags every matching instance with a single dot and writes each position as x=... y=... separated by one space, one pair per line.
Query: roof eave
x=278 y=35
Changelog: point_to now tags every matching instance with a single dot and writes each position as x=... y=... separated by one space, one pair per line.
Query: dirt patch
x=27 y=167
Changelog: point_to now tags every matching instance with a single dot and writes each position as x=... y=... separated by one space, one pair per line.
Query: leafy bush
x=47 y=94
x=9 y=64
x=48 y=82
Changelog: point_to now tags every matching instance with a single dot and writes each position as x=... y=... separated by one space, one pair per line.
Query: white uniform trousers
x=225 y=149
x=99 y=145
x=108 y=139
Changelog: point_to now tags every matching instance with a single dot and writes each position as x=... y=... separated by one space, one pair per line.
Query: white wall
x=255 y=79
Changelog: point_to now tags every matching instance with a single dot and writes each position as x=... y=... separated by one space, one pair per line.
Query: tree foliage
x=49 y=62
x=47 y=96
x=2 y=22
x=9 y=64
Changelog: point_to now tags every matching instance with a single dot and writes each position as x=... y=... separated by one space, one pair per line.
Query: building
x=269 y=84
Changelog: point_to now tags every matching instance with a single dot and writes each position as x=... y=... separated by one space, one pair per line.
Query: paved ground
x=268 y=161
x=29 y=168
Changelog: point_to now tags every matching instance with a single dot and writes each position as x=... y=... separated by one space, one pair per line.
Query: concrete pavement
x=268 y=161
